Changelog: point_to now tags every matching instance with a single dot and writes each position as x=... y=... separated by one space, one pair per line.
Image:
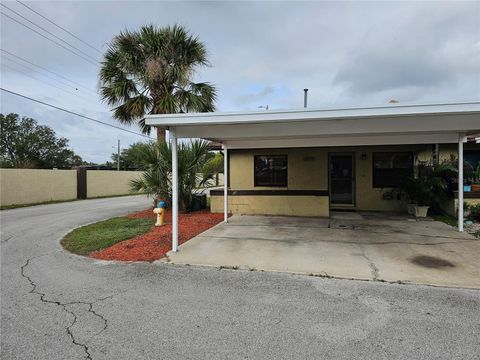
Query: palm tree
x=150 y=72
x=194 y=171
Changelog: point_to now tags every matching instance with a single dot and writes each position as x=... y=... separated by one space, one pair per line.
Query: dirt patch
x=154 y=244
x=431 y=262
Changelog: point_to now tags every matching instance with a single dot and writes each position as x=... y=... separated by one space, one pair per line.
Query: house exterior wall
x=273 y=205
x=450 y=206
x=308 y=170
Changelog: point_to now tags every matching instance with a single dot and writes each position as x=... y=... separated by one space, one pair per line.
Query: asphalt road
x=55 y=305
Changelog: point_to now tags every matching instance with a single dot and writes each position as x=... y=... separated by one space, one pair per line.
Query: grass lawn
x=98 y=236
x=450 y=220
x=447 y=219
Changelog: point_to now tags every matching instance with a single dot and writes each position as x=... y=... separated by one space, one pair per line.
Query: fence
x=31 y=186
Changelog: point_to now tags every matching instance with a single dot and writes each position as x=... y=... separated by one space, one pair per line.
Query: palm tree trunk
x=161 y=135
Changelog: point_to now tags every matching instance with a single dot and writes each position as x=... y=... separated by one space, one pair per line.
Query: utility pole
x=118 y=155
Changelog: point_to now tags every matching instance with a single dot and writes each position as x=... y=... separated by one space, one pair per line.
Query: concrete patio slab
x=368 y=246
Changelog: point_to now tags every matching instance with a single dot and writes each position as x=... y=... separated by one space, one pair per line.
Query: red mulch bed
x=154 y=244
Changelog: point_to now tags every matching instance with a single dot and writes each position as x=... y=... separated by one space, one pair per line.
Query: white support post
x=460 y=183
x=173 y=136
x=225 y=183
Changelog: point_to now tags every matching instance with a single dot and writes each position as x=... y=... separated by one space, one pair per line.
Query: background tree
x=150 y=71
x=213 y=167
x=25 y=144
x=131 y=158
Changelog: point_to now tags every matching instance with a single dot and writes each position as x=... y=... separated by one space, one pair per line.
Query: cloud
x=427 y=51
x=262 y=53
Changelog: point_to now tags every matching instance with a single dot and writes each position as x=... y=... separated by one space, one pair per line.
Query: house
x=307 y=162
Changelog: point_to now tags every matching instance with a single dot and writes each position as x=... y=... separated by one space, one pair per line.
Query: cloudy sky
x=261 y=53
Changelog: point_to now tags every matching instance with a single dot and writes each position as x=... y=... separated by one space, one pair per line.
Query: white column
x=173 y=136
x=225 y=183
x=460 y=183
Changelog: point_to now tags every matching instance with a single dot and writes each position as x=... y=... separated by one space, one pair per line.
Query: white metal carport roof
x=381 y=125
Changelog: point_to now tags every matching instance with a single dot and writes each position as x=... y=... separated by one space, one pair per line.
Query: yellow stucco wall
x=109 y=182
x=308 y=170
x=273 y=205
x=370 y=198
x=451 y=206
x=29 y=186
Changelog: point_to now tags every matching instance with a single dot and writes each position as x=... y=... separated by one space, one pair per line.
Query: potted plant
x=425 y=191
x=476 y=180
x=408 y=194
x=422 y=197
x=474 y=212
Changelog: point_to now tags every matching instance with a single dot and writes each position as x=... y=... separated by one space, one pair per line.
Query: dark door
x=341 y=179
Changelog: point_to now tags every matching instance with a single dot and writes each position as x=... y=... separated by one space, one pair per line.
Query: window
x=391 y=169
x=270 y=170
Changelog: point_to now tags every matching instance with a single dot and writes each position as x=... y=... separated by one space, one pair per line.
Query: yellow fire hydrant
x=160 y=211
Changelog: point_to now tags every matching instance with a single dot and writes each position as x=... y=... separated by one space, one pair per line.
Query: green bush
x=474 y=211
x=195 y=168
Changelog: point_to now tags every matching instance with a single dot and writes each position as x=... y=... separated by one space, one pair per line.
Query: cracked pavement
x=55 y=305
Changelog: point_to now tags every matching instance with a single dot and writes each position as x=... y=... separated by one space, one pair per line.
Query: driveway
x=55 y=305
x=367 y=246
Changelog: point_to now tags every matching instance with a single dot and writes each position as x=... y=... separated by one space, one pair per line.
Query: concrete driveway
x=369 y=246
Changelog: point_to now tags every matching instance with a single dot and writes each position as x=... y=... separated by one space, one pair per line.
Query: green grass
x=8 y=207
x=447 y=219
x=450 y=220
x=103 y=234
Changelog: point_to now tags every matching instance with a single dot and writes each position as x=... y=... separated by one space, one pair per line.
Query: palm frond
x=150 y=71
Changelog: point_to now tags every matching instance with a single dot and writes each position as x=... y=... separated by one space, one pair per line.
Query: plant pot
x=467 y=188
x=421 y=211
x=476 y=187
x=411 y=209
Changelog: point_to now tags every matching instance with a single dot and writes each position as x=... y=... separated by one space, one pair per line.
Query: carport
x=384 y=125
x=366 y=246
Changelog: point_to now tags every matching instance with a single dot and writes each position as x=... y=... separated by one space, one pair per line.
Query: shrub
x=193 y=171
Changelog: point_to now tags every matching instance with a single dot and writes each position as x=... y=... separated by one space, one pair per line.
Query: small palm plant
x=193 y=172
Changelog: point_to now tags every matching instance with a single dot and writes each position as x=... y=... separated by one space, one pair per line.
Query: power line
x=48 y=76
x=31 y=68
x=42 y=35
x=43 y=81
x=45 y=69
x=49 y=32
x=54 y=23
x=72 y=112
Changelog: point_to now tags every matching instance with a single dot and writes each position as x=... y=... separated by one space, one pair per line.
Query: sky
x=261 y=53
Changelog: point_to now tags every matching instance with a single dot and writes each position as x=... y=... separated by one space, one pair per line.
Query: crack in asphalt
x=4 y=241
x=64 y=306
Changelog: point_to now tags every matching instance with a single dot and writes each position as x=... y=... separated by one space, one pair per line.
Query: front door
x=341 y=180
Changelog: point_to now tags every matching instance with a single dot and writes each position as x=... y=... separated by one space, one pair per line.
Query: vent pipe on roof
x=305 y=97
